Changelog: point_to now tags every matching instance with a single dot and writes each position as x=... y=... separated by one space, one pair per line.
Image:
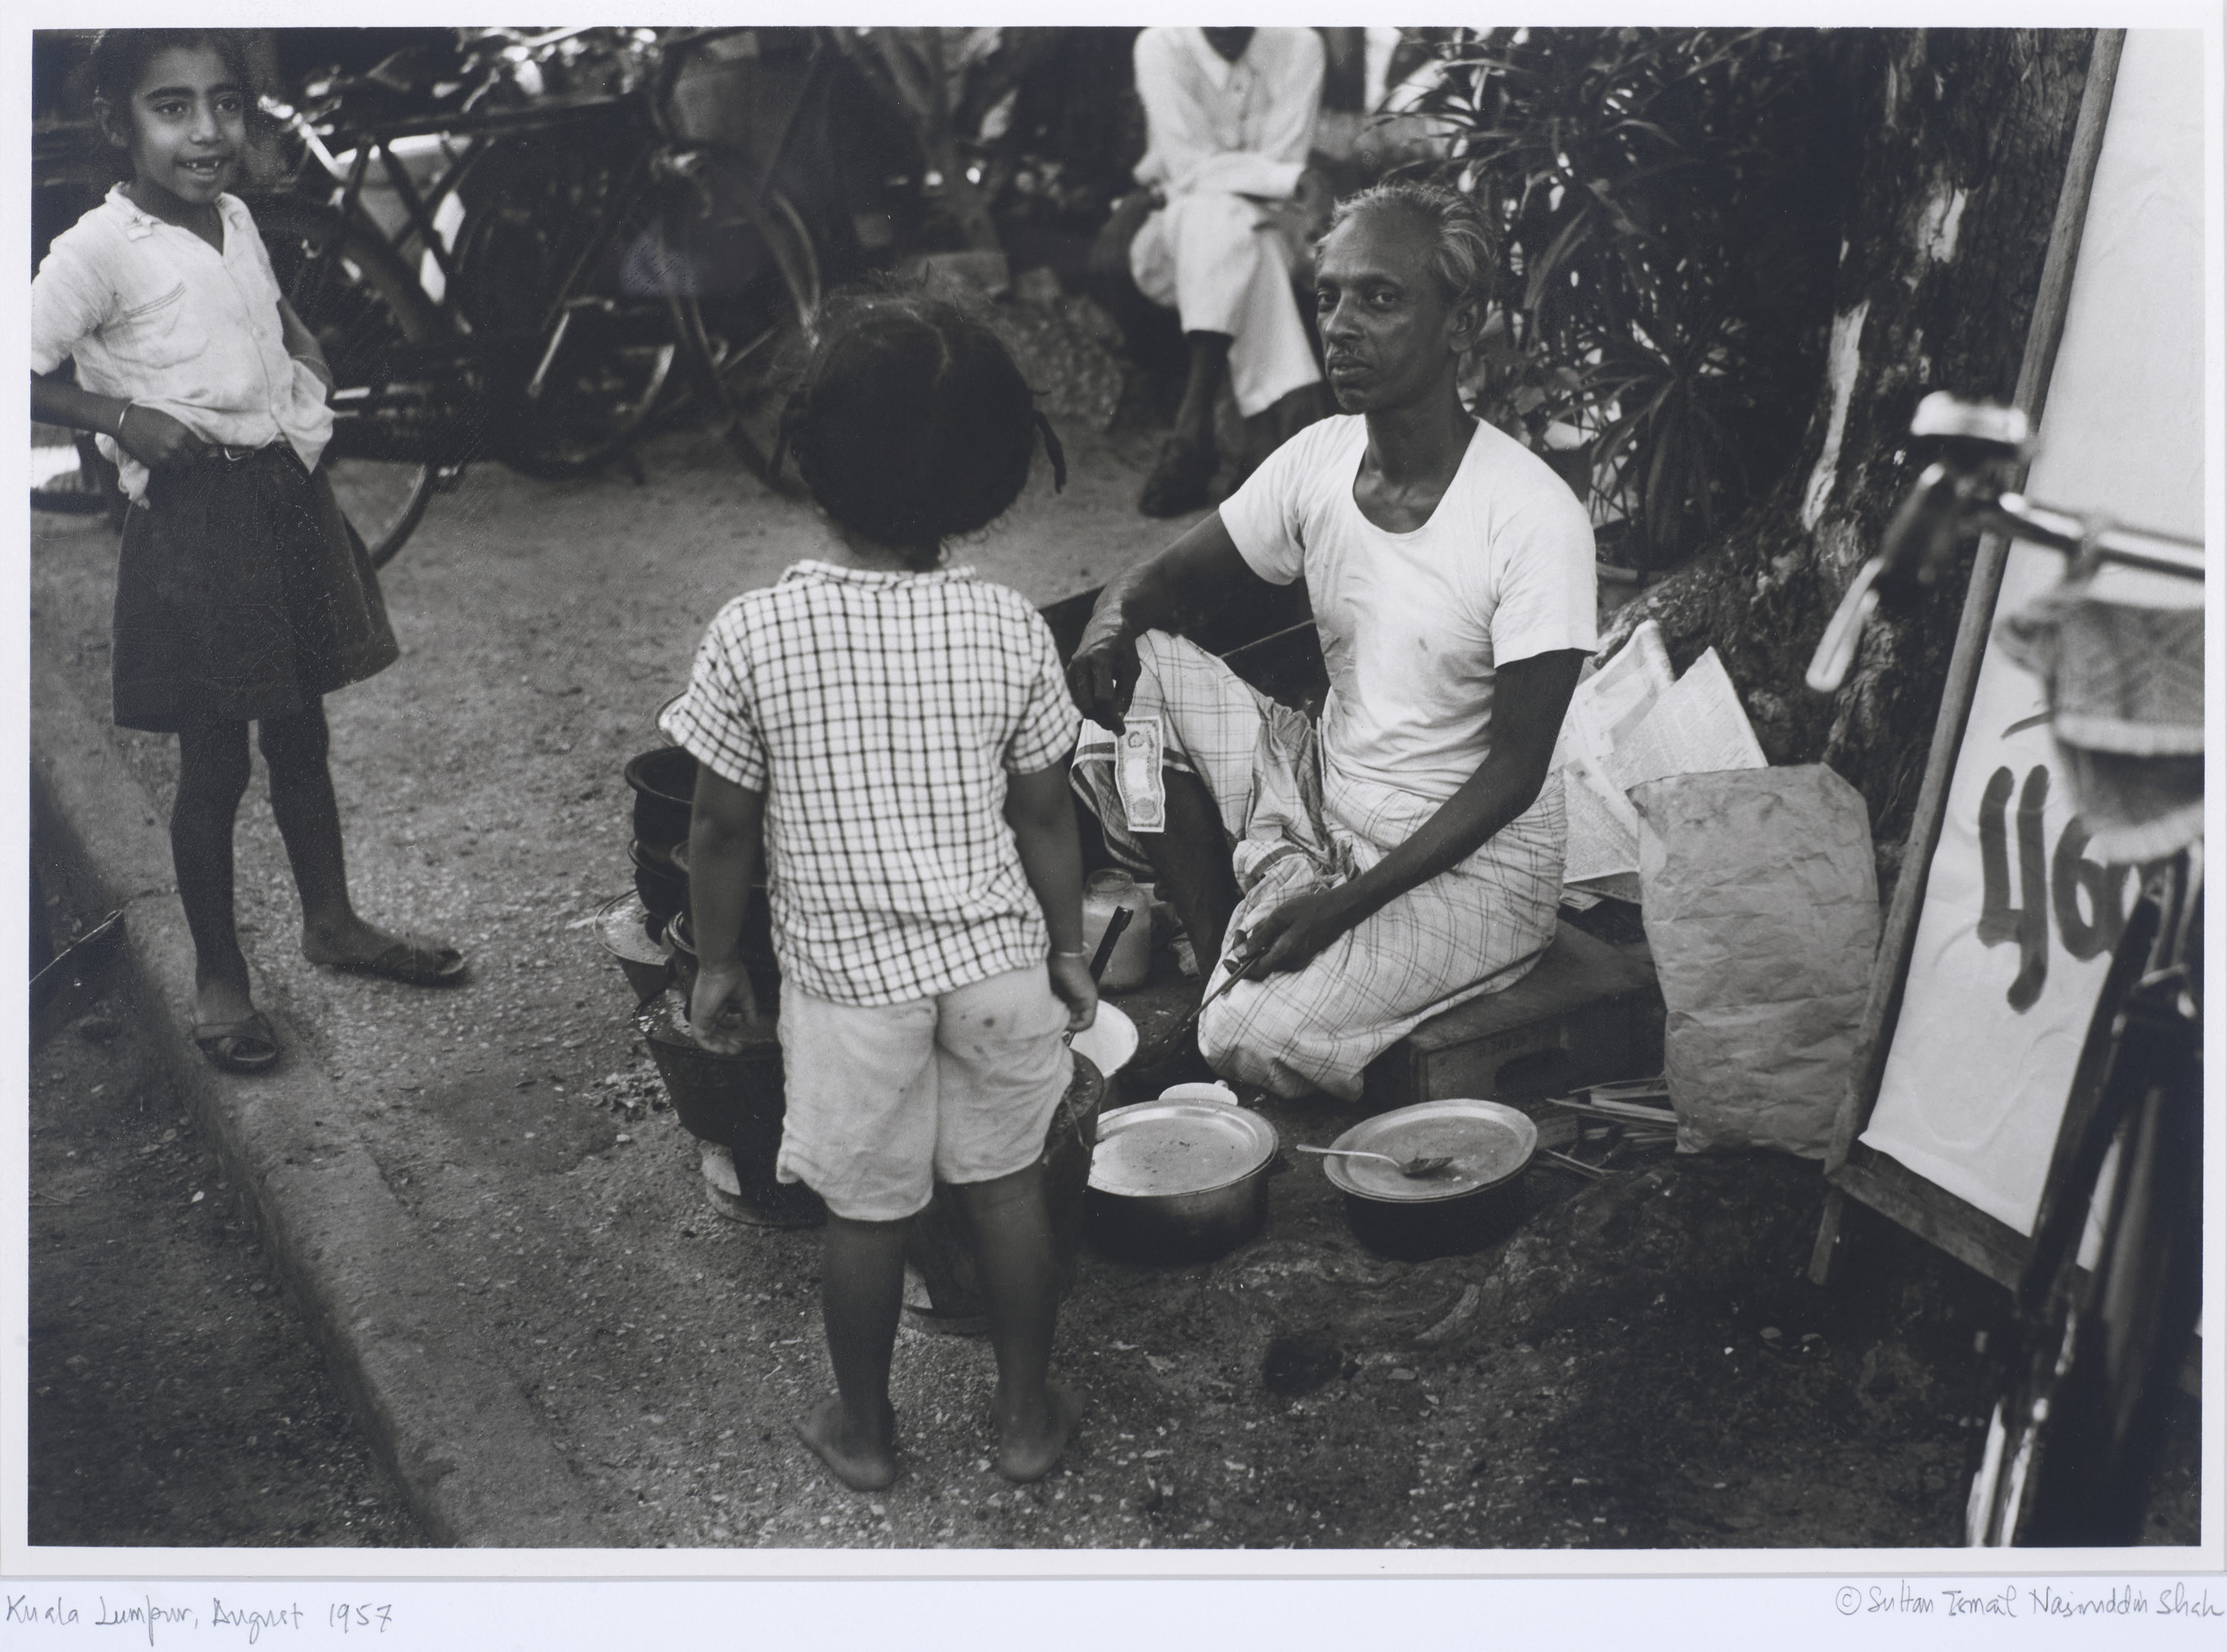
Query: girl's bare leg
x=861 y=1291
x=213 y=770
x=295 y=748
x=1035 y=1417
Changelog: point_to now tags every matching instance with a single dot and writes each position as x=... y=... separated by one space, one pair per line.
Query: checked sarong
x=1474 y=929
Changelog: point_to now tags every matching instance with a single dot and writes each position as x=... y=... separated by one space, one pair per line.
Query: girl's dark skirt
x=241 y=593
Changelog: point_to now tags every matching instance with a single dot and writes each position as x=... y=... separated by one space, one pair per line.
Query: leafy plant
x=1667 y=252
x=921 y=72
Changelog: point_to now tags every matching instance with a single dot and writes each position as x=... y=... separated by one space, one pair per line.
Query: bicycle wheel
x=2071 y=1448
x=746 y=290
x=578 y=345
x=375 y=325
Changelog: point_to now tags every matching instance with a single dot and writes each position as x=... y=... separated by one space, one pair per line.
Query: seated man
x=1405 y=853
x=1228 y=114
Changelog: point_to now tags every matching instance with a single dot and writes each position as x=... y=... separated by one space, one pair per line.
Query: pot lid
x=1157 y=1148
x=1488 y=1143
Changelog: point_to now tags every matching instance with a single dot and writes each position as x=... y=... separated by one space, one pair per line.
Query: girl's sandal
x=413 y=960
x=247 y=1046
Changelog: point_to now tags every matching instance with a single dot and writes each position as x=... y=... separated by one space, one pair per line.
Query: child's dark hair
x=913 y=426
x=112 y=68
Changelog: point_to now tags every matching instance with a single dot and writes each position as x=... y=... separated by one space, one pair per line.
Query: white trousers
x=1213 y=258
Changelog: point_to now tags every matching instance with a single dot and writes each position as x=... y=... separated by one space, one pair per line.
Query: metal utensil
x=1240 y=970
x=1424 y=1164
x=1592 y=1172
x=1114 y=926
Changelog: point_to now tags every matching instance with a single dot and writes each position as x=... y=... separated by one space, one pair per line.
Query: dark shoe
x=247 y=1046
x=1179 y=482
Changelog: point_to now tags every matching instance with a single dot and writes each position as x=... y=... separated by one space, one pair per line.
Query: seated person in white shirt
x=1229 y=114
x=1405 y=853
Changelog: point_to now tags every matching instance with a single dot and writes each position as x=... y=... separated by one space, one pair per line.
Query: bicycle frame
x=1963 y=493
x=2070 y=1443
x=420 y=207
x=474 y=131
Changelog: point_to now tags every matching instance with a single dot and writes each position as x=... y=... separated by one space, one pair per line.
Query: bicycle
x=598 y=246
x=2077 y=1435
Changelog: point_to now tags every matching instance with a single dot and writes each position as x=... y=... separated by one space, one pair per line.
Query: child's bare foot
x=1028 y=1447
x=864 y=1460
x=367 y=949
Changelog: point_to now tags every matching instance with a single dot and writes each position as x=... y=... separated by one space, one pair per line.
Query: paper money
x=1137 y=774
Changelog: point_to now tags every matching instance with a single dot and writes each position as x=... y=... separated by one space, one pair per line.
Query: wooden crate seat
x=1589 y=1013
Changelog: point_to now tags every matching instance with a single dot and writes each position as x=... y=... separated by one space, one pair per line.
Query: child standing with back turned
x=242 y=595
x=899 y=731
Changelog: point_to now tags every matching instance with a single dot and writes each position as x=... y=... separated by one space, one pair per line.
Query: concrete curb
x=463 y=1442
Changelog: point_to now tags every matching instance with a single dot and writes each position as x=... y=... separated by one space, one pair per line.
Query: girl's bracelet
x=1061 y=951
x=122 y=416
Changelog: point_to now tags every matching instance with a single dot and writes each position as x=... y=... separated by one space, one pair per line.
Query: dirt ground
x=177 y=1397
x=1642 y=1365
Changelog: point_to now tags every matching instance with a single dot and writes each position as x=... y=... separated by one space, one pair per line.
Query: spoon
x=1409 y=1167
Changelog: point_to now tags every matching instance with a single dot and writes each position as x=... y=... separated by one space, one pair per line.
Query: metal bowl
x=663 y=781
x=662 y=887
x=622 y=926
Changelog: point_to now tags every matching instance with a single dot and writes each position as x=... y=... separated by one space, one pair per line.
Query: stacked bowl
x=730 y=1101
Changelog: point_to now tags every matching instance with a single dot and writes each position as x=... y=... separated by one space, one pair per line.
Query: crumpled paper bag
x=1761 y=902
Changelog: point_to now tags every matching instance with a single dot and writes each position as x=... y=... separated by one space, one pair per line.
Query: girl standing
x=242 y=594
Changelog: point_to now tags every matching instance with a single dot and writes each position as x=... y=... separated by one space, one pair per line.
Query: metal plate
x=1109 y=1041
x=1163 y=1147
x=1490 y=1143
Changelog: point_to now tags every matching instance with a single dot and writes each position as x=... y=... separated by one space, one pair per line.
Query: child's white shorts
x=883 y=1102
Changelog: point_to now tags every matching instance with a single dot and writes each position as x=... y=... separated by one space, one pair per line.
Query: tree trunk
x=1962 y=136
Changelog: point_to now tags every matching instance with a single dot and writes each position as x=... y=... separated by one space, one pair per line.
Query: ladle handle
x=1345 y=1153
x=1114 y=926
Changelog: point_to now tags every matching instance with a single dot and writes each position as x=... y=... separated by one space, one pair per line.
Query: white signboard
x=2016 y=930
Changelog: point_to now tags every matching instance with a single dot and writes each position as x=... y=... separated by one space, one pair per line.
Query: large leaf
x=1657 y=283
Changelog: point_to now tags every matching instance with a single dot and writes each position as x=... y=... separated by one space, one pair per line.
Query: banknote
x=1137 y=774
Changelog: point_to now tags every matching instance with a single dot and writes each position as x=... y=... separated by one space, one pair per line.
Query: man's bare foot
x=853 y=1456
x=1028 y=1448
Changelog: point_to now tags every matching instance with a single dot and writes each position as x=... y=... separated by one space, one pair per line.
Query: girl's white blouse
x=153 y=312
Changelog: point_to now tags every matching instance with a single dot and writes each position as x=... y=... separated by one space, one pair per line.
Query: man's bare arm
x=1529 y=697
x=1177 y=590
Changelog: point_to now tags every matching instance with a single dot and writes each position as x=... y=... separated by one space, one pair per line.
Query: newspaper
x=1631 y=722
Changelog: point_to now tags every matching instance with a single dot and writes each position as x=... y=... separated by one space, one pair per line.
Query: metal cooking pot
x=939 y=1248
x=1181 y=1179
x=1476 y=1201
